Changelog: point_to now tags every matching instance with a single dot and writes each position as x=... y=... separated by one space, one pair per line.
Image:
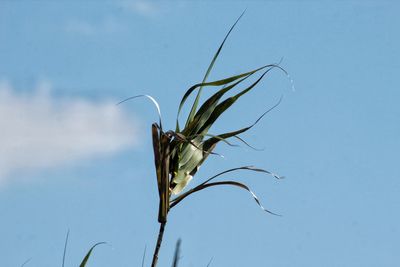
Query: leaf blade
x=195 y=104
x=213 y=84
x=222 y=107
x=233 y=183
x=152 y=99
x=87 y=256
x=213 y=141
x=248 y=168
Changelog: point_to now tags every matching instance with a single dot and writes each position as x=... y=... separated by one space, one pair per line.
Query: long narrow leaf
x=196 y=101
x=227 y=142
x=247 y=144
x=212 y=141
x=180 y=138
x=144 y=255
x=221 y=108
x=65 y=248
x=85 y=260
x=25 y=262
x=223 y=140
x=208 y=107
x=248 y=168
x=152 y=100
x=214 y=83
x=210 y=111
x=233 y=183
x=177 y=253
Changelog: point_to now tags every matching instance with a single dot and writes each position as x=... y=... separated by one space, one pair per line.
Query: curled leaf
x=214 y=140
x=149 y=97
x=207 y=183
x=216 y=83
x=85 y=260
x=233 y=183
x=247 y=144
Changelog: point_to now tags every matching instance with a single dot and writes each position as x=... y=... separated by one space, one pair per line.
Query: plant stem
x=158 y=245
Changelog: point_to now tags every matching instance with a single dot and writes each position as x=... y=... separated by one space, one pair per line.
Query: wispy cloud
x=40 y=131
x=83 y=27
x=113 y=23
x=142 y=7
x=80 y=26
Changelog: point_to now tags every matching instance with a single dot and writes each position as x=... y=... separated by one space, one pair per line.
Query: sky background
x=71 y=159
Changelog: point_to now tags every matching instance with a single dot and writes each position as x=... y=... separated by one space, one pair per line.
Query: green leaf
x=85 y=260
x=189 y=157
x=25 y=262
x=248 y=168
x=222 y=107
x=233 y=183
x=65 y=248
x=185 y=141
x=144 y=255
x=177 y=253
x=214 y=140
x=247 y=144
x=213 y=84
x=221 y=139
x=194 y=106
x=207 y=108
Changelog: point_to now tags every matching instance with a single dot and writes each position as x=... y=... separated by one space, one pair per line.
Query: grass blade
x=247 y=144
x=151 y=99
x=195 y=104
x=214 y=140
x=248 y=168
x=177 y=253
x=181 y=139
x=213 y=84
x=222 y=107
x=233 y=183
x=65 y=248
x=25 y=262
x=144 y=255
x=86 y=258
x=207 y=108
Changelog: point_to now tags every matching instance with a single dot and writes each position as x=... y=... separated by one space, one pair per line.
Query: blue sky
x=71 y=159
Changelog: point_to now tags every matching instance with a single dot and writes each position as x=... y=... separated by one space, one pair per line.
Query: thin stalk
x=158 y=245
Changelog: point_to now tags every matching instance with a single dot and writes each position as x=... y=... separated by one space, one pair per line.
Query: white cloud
x=40 y=131
x=146 y=8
